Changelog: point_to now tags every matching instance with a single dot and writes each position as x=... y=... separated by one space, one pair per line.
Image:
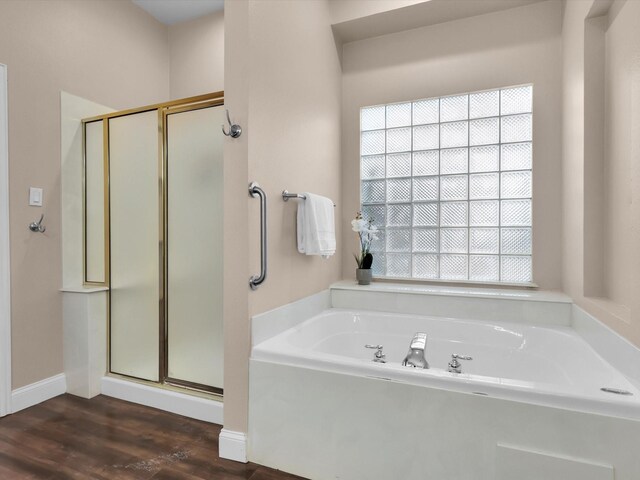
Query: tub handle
x=379 y=355
x=454 y=365
x=461 y=357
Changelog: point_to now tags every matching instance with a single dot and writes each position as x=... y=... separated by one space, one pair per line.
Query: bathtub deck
x=105 y=438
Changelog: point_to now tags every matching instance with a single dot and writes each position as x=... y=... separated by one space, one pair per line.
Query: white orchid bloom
x=358 y=225
x=367 y=232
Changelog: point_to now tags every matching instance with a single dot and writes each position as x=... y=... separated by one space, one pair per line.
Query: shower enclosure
x=153 y=197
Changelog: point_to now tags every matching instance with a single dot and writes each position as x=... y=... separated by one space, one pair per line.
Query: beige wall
x=196 y=51
x=109 y=52
x=612 y=188
x=237 y=331
x=593 y=165
x=573 y=145
x=283 y=85
x=516 y=46
x=622 y=152
x=294 y=141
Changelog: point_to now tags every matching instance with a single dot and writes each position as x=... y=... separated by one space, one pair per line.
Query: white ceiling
x=176 y=11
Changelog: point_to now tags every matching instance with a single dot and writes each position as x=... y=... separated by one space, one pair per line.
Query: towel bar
x=286 y=195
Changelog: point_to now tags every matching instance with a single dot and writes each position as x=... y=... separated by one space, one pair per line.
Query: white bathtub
x=528 y=406
x=543 y=365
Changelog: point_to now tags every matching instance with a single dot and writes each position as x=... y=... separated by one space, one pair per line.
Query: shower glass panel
x=94 y=204
x=153 y=234
x=135 y=190
x=194 y=246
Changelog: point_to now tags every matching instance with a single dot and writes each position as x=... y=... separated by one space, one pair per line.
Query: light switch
x=35 y=197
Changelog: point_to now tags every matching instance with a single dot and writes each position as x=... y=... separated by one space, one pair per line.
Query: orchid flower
x=367 y=232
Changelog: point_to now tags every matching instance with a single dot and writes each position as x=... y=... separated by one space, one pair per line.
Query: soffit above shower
x=411 y=14
x=170 y=12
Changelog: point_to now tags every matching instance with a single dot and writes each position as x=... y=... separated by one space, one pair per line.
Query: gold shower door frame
x=163 y=110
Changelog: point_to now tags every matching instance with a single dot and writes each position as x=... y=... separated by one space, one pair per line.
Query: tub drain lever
x=379 y=356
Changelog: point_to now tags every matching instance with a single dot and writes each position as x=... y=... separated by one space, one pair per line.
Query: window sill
x=471 y=283
x=422 y=288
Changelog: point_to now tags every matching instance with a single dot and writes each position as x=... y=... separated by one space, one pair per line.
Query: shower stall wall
x=153 y=234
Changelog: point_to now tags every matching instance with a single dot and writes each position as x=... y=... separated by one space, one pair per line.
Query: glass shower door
x=194 y=198
x=135 y=250
x=164 y=209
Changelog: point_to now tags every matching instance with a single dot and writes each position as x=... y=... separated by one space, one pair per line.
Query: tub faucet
x=454 y=365
x=415 y=356
x=379 y=356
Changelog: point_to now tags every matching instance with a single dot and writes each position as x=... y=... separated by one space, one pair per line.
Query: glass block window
x=448 y=183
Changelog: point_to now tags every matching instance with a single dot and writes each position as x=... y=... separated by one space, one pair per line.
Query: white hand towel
x=316 y=226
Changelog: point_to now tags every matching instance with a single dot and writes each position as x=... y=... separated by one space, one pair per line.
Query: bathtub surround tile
x=521 y=306
x=522 y=464
x=381 y=302
x=615 y=349
x=378 y=412
x=273 y=322
x=499 y=310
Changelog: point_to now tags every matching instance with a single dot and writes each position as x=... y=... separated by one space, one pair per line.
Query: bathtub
x=543 y=365
x=528 y=406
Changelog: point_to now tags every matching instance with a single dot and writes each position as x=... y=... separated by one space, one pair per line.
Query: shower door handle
x=256 y=191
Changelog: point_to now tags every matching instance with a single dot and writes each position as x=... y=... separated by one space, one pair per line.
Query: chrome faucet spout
x=415 y=357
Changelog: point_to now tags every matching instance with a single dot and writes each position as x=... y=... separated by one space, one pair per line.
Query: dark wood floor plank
x=71 y=438
x=264 y=473
x=82 y=449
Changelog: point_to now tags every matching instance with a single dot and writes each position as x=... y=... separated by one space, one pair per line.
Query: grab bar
x=256 y=191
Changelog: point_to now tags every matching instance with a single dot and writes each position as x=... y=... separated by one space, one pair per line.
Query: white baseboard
x=175 y=402
x=38 y=392
x=232 y=445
